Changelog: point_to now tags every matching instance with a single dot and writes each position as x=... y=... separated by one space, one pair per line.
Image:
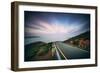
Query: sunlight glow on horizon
x=51 y=32
x=53 y=26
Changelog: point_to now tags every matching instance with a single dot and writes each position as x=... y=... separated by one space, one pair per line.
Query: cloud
x=48 y=32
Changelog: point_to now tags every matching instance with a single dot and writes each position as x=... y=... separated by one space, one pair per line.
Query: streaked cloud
x=55 y=30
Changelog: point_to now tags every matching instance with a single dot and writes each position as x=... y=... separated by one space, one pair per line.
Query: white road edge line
x=61 y=52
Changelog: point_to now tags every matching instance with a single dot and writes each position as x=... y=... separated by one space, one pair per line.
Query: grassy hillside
x=35 y=49
x=85 y=35
x=82 y=41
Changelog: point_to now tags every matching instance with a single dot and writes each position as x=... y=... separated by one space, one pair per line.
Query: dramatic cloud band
x=50 y=28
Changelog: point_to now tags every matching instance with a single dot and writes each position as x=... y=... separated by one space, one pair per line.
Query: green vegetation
x=45 y=51
x=36 y=49
x=82 y=41
x=85 y=35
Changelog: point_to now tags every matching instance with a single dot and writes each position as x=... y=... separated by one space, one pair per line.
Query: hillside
x=81 y=41
x=85 y=35
x=35 y=49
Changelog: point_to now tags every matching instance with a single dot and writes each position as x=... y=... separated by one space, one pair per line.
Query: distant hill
x=85 y=35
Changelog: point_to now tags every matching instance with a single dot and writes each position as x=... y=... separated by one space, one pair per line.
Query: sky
x=53 y=26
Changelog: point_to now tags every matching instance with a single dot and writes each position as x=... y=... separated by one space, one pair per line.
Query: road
x=70 y=52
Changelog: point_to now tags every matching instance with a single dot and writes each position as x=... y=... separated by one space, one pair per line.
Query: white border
x=23 y=64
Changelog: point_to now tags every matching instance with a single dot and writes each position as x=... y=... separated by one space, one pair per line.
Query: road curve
x=71 y=52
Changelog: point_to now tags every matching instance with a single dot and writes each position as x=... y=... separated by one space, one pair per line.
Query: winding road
x=70 y=52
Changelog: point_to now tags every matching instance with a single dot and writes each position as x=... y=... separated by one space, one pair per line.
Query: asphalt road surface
x=70 y=52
